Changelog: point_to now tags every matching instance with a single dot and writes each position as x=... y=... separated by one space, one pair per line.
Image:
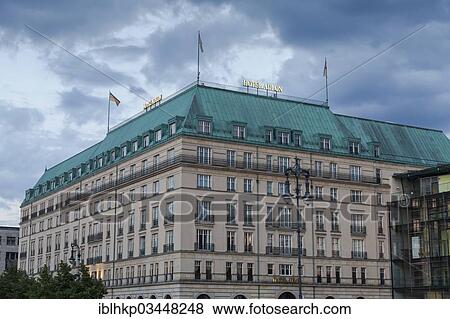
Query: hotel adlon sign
x=262 y=86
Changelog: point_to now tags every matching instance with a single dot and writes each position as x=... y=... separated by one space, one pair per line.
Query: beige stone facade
x=194 y=253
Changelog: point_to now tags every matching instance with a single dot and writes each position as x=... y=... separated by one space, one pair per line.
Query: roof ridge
x=388 y=122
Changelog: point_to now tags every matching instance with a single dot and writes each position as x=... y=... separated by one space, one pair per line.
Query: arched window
x=240 y=297
x=203 y=296
x=287 y=295
x=167 y=297
x=140 y=297
x=152 y=297
x=329 y=297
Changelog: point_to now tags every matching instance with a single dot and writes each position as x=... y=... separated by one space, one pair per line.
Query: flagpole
x=326 y=81
x=198 y=57
x=109 y=109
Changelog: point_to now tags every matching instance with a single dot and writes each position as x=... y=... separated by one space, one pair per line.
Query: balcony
x=231 y=248
x=381 y=255
x=119 y=256
x=23 y=254
x=130 y=229
x=154 y=223
x=248 y=248
x=359 y=254
x=380 y=231
x=154 y=250
x=203 y=247
x=320 y=227
x=335 y=253
x=120 y=232
x=207 y=219
x=283 y=251
x=95 y=237
x=168 y=248
x=142 y=252
x=108 y=234
x=358 y=230
x=335 y=228
x=320 y=253
x=169 y=219
x=130 y=254
x=142 y=227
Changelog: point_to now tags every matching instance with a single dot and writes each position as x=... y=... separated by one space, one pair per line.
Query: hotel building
x=184 y=200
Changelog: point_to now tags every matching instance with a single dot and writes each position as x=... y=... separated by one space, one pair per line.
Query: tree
x=62 y=284
x=15 y=284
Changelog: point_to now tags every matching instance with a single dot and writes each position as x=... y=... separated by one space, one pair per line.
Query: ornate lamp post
x=75 y=261
x=297 y=172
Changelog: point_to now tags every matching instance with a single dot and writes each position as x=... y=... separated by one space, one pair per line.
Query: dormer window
x=204 y=127
x=146 y=140
x=70 y=176
x=124 y=151
x=353 y=147
x=269 y=136
x=172 y=128
x=100 y=162
x=239 y=131
x=376 y=150
x=325 y=143
x=285 y=138
x=298 y=139
x=135 y=146
x=113 y=155
x=158 y=135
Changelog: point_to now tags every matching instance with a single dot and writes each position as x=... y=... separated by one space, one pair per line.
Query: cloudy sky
x=52 y=105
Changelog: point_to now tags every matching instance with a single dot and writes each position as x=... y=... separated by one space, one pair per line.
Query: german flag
x=112 y=98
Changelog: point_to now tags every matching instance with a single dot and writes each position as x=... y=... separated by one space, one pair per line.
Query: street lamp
x=75 y=262
x=297 y=172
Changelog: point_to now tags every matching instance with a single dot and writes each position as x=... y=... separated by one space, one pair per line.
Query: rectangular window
x=231 y=213
x=239 y=131
x=269 y=162
x=172 y=128
x=325 y=144
x=208 y=270
x=248 y=242
x=285 y=217
x=269 y=136
x=333 y=194
x=269 y=269
x=239 y=271
x=247 y=185
x=353 y=147
x=203 y=155
x=355 y=173
x=376 y=151
x=319 y=274
x=269 y=188
x=355 y=196
x=318 y=191
x=285 y=138
x=228 y=271
x=318 y=168
x=249 y=271
x=170 y=183
x=203 y=181
x=285 y=242
x=231 y=184
x=197 y=269
x=158 y=135
x=204 y=127
x=283 y=163
x=333 y=170
x=285 y=269
x=337 y=274
x=248 y=219
x=297 y=139
x=231 y=158
x=146 y=141
x=247 y=160
x=363 y=276
x=354 y=275
x=328 y=274
x=134 y=146
x=231 y=241
x=382 y=277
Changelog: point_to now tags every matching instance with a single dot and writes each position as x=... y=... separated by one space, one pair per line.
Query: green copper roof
x=398 y=143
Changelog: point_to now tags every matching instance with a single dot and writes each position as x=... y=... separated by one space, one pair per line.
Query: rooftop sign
x=262 y=86
x=152 y=103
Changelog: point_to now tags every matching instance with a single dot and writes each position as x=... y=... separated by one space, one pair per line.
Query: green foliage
x=62 y=284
